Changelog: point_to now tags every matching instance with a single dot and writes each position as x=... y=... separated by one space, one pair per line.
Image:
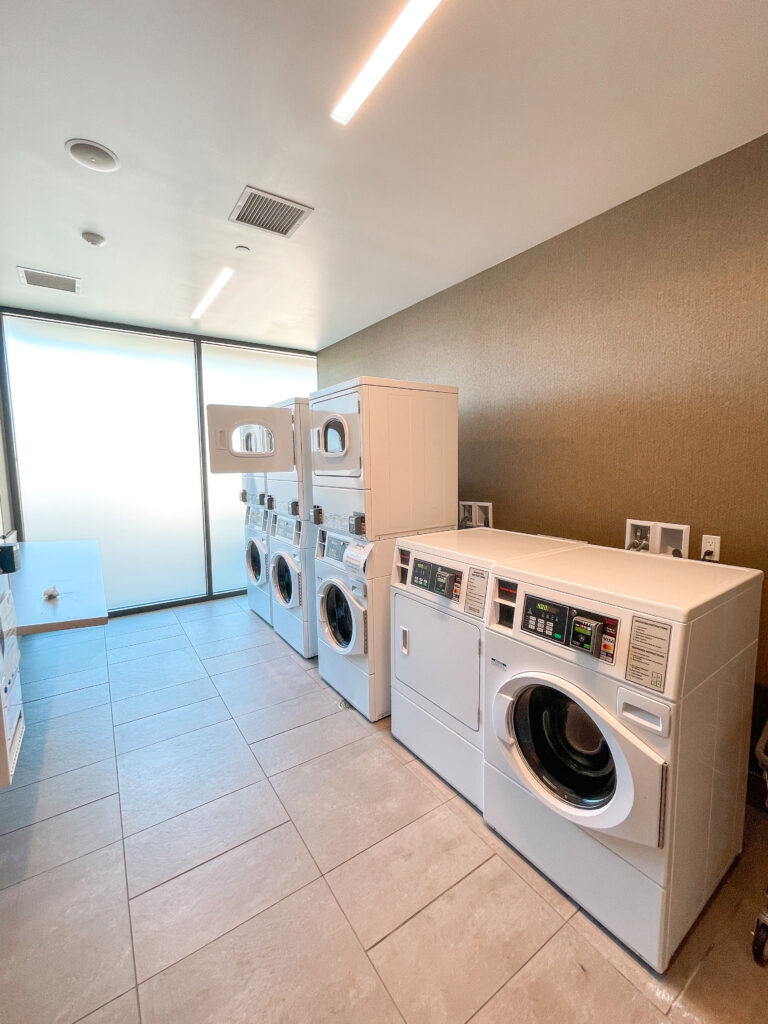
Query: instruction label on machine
x=648 y=653
x=477 y=585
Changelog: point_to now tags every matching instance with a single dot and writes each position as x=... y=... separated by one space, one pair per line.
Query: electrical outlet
x=710 y=548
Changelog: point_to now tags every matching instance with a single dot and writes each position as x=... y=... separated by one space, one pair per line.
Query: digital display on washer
x=335 y=548
x=437 y=579
x=545 y=619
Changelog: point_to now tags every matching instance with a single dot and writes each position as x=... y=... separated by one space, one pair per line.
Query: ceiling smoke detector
x=93 y=238
x=269 y=212
x=44 y=279
x=92 y=155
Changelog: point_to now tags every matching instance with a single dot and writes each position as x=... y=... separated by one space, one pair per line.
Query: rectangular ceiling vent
x=42 y=279
x=269 y=212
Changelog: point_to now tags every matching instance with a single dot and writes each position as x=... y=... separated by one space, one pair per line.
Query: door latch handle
x=404 y=640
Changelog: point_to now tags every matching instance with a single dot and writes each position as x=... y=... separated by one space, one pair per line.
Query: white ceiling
x=503 y=124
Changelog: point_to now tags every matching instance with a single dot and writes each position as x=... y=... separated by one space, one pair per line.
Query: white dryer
x=292 y=579
x=257 y=563
x=352 y=588
x=438 y=608
x=618 y=692
x=385 y=457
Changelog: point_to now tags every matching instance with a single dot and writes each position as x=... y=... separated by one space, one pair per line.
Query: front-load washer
x=618 y=690
x=352 y=593
x=438 y=608
x=292 y=579
x=385 y=457
x=257 y=563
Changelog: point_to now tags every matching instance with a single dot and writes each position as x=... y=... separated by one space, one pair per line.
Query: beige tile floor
x=200 y=832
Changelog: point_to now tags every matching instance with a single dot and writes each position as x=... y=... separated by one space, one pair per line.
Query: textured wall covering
x=620 y=369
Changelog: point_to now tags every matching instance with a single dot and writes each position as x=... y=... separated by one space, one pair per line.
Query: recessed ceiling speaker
x=92 y=155
x=93 y=238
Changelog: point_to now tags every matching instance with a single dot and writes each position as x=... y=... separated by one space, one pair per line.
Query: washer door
x=286 y=580
x=256 y=561
x=342 y=617
x=578 y=759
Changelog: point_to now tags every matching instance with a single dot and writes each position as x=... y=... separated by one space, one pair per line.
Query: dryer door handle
x=404 y=640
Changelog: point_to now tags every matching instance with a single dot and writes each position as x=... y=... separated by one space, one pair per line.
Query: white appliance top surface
x=486 y=545
x=288 y=403
x=381 y=382
x=677 y=587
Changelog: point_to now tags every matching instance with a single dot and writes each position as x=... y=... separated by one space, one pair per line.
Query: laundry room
x=384 y=418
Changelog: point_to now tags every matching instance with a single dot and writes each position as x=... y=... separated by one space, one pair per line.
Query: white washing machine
x=12 y=722
x=292 y=578
x=352 y=585
x=438 y=603
x=257 y=563
x=385 y=457
x=618 y=693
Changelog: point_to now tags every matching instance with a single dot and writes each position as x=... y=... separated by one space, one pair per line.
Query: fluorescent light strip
x=408 y=23
x=213 y=291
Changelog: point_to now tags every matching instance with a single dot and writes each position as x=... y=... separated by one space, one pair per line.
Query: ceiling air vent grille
x=42 y=279
x=269 y=212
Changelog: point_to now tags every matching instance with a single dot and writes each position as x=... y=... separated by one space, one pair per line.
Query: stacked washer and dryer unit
x=384 y=464
x=271 y=447
x=615 y=728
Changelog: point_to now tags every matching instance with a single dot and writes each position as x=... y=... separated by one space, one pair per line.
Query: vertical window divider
x=9 y=436
x=203 y=445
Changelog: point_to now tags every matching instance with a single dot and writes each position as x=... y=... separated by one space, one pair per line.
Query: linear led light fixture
x=222 y=278
x=405 y=27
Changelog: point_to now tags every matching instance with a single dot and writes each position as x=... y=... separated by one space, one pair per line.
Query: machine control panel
x=586 y=631
x=437 y=579
x=335 y=548
x=284 y=528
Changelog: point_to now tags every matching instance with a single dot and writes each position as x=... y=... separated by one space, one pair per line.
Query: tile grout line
x=515 y=973
x=178 y=735
x=112 y=1000
x=125 y=871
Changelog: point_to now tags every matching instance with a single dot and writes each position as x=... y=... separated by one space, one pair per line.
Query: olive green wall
x=619 y=369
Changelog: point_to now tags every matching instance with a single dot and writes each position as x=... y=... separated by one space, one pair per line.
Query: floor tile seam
x=63 y=714
x=429 y=903
x=329 y=752
x=255 y=664
x=140 y=632
x=112 y=1000
x=517 y=971
x=75 y=689
x=59 y=814
x=125 y=877
x=143 y=718
x=144 y=693
x=212 y=679
x=359 y=942
x=209 y=860
x=512 y=867
x=177 y=735
x=282 y=732
x=309 y=760
x=145 y=828
x=57 y=775
x=236 y=638
x=382 y=839
x=128 y=661
x=63 y=863
x=60 y=675
x=229 y=931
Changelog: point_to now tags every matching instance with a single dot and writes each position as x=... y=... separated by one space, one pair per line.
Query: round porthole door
x=342 y=617
x=256 y=562
x=578 y=758
x=286 y=580
x=563 y=746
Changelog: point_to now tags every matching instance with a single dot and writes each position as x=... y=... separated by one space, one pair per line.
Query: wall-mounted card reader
x=10 y=558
